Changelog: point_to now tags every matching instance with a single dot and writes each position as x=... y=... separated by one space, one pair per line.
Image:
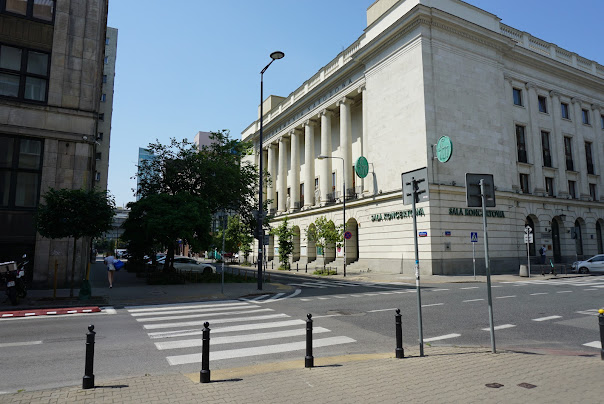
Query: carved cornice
x=345 y=100
x=554 y=93
x=531 y=86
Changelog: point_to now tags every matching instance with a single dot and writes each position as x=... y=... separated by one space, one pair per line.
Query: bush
x=325 y=272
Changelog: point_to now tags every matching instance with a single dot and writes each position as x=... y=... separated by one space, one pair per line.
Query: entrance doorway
x=352 y=244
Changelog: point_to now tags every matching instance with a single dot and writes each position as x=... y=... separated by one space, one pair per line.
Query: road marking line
x=565 y=291
x=472 y=300
x=471 y=287
x=190 y=343
x=239 y=306
x=505 y=297
x=203 y=315
x=109 y=310
x=500 y=327
x=232 y=328
x=257 y=298
x=437 y=290
x=385 y=293
x=51 y=312
x=376 y=311
x=323 y=298
x=277 y=298
x=546 y=318
x=338 y=297
x=33 y=314
x=84 y=311
x=328 y=315
x=495 y=286
x=370 y=294
x=70 y=311
x=590 y=289
x=542 y=293
x=214 y=321
x=305 y=300
x=442 y=337
x=177 y=306
x=7 y=315
x=262 y=350
x=594 y=344
x=590 y=312
x=356 y=295
x=307 y=285
x=434 y=304
x=25 y=343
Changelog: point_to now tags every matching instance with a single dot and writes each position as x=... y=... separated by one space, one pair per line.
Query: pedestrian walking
x=543 y=255
x=109 y=260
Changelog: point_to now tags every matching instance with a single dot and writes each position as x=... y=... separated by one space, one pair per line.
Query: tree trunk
x=73 y=263
x=169 y=257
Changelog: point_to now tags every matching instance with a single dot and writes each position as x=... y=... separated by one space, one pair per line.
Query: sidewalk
x=444 y=375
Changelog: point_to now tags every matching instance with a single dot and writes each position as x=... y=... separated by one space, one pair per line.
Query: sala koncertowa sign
x=475 y=212
x=399 y=214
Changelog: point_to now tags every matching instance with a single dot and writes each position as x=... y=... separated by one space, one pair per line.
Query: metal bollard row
x=399 y=351
x=204 y=375
x=309 y=360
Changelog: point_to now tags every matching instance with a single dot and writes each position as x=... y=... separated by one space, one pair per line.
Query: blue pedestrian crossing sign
x=474 y=237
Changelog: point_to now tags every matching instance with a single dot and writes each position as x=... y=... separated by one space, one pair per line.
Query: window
x=354 y=179
x=99 y=136
x=41 y=10
x=568 y=152
x=103 y=97
x=571 y=189
x=517 y=96
x=98 y=155
x=564 y=108
x=588 y=158
x=521 y=144
x=585 y=116
x=301 y=194
x=602 y=121
x=104 y=78
x=547 y=153
x=20 y=172
x=106 y=60
x=107 y=41
x=316 y=182
x=97 y=176
x=23 y=73
x=524 y=183
x=549 y=186
x=592 y=192
x=542 y=104
x=102 y=117
x=333 y=181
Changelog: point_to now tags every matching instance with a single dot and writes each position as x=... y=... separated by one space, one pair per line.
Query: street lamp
x=259 y=225
x=321 y=157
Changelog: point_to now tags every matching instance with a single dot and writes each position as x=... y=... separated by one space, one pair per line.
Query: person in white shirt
x=109 y=260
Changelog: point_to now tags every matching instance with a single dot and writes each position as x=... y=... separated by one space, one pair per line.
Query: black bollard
x=204 y=375
x=306 y=269
x=296 y=267
x=88 y=381
x=272 y=267
x=400 y=352
x=601 y=322
x=309 y=360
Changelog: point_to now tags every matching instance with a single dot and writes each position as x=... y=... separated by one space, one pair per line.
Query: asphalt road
x=348 y=318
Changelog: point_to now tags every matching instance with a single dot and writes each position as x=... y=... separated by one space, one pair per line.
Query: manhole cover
x=527 y=385
x=494 y=385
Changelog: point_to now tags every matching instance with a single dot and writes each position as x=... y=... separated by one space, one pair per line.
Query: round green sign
x=444 y=149
x=361 y=167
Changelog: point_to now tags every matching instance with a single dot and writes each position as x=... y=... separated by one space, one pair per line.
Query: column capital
x=554 y=93
x=596 y=107
x=345 y=100
x=295 y=131
x=310 y=122
x=325 y=112
x=508 y=78
x=531 y=86
x=362 y=88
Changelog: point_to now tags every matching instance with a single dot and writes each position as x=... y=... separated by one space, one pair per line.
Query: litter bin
x=524 y=271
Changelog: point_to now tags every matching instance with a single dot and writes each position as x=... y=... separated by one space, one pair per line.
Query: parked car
x=594 y=264
x=191 y=264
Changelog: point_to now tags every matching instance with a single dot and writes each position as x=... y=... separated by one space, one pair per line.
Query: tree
x=74 y=213
x=162 y=219
x=286 y=241
x=325 y=233
x=237 y=237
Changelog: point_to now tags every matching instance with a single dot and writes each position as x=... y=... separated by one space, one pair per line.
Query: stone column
x=346 y=141
x=272 y=170
x=535 y=135
x=309 y=163
x=295 y=168
x=282 y=180
x=509 y=127
x=325 y=179
x=558 y=139
x=579 y=145
x=364 y=142
x=264 y=158
x=597 y=151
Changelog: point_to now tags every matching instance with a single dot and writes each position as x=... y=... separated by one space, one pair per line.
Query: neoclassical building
x=518 y=107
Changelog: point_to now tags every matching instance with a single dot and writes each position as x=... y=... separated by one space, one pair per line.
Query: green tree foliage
x=74 y=213
x=158 y=221
x=286 y=241
x=325 y=233
x=238 y=236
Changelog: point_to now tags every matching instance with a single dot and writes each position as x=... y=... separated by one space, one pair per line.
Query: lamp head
x=321 y=157
x=277 y=55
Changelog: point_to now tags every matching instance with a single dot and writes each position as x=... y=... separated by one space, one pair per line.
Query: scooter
x=20 y=280
x=14 y=276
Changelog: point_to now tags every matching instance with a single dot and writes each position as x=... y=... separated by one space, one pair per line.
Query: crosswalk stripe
x=307 y=285
x=238 y=338
x=214 y=321
x=442 y=337
x=471 y=287
x=546 y=318
x=472 y=300
x=204 y=310
x=202 y=315
x=225 y=303
x=594 y=344
x=24 y=343
x=500 y=327
x=277 y=296
x=232 y=328
x=262 y=350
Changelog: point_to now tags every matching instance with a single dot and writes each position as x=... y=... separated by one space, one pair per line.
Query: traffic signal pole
x=486 y=258
x=417 y=285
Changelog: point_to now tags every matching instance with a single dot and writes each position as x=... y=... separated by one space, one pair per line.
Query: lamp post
x=259 y=226
x=322 y=157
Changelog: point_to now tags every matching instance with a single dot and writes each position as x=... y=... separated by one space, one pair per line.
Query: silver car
x=191 y=264
x=594 y=264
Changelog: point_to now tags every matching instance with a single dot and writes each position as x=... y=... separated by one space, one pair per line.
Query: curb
x=49 y=312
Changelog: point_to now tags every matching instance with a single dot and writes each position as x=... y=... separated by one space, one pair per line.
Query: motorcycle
x=14 y=277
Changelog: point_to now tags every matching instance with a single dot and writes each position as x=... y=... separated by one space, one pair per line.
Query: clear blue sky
x=185 y=66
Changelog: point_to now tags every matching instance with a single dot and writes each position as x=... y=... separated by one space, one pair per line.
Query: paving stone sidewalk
x=444 y=375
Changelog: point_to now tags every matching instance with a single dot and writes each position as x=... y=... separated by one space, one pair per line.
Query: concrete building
x=103 y=136
x=202 y=139
x=512 y=105
x=51 y=64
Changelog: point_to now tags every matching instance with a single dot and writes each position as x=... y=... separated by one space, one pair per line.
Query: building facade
x=512 y=105
x=103 y=135
x=51 y=63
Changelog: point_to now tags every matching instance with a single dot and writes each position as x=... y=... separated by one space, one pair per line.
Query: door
x=556 y=241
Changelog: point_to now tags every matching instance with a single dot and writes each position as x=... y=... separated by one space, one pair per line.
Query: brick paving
x=444 y=375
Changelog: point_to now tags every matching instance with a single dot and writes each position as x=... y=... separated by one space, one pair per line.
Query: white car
x=191 y=264
x=594 y=264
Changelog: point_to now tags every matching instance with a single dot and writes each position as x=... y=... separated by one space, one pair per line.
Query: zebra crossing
x=588 y=281
x=319 y=284
x=239 y=329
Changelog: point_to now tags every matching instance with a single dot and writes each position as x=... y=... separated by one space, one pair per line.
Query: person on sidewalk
x=109 y=260
x=543 y=254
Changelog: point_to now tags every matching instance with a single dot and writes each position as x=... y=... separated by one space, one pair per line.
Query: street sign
x=473 y=194
x=348 y=235
x=265 y=241
x=361 y=167
x=528 y=230
x=474 y=237
x=444 y=149
x=528 y=238
x=423 y=234
x=415 y=184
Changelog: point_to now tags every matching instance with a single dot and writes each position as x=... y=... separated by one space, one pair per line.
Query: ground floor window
x=20 y=171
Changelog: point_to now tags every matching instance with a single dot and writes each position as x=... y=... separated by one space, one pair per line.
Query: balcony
x=353 y=193
x=298 y=205
x=332 y=196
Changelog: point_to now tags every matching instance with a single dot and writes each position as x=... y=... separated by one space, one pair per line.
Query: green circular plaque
x=444 y=149
x=361 y=167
